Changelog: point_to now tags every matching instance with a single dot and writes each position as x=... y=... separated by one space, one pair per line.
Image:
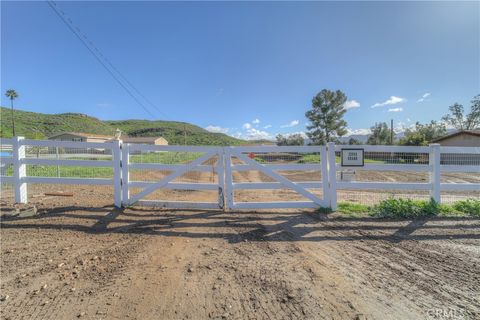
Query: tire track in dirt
x=244 y=278
x=209 y=265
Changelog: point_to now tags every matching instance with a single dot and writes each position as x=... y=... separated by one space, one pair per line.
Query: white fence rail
x=116 y=164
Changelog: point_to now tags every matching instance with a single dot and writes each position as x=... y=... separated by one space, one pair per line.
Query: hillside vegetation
x=35 y=125
x=39 y=126
x=174 y=132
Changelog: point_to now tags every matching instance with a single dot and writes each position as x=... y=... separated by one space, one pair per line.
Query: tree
x=295 y=140
x=281 y=140
x=326 y=117
x=380 y=134
x=422 y=134
x=459 y=120
x=290 y=140
x=12 y=95
x=353 y=141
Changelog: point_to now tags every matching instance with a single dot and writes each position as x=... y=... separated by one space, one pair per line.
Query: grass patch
x=309 y=158
x=165 y=157
x=353 y=209
x=408 y=209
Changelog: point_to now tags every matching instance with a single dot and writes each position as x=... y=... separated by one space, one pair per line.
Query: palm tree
x=12 y=95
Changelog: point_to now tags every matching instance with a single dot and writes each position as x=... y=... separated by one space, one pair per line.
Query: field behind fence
x=238 y=177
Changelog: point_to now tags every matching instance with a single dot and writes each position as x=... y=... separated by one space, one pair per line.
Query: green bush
x=409 y=209
x=406 y=208
x=469 y=206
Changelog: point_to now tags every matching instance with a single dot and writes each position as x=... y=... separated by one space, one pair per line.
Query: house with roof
x=158 y=141
x=80 y=137
x=461 y=138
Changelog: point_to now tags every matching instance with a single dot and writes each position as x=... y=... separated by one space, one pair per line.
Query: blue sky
x=244 y=68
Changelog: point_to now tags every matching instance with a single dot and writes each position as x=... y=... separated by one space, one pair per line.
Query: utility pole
x=391 y=131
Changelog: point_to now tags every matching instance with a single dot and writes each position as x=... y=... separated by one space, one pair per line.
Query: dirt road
x=100 y=263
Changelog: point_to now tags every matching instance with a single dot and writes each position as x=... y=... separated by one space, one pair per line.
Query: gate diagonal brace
x=173 y=175
x=280 y=178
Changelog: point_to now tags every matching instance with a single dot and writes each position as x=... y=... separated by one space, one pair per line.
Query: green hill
x=39 y=126
x=174 y=132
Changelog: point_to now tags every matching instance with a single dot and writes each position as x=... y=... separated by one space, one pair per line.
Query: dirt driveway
x=101 y=263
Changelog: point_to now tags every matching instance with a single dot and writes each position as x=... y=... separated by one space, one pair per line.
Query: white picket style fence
x=224 y=162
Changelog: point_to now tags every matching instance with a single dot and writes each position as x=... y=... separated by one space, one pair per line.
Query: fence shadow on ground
x=244 y=226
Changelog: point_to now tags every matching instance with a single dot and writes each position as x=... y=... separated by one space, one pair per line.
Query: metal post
x=117 y=172
x=434 y=162
x=332 y=175
x=19 y=170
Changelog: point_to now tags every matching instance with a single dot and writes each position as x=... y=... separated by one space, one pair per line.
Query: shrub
x=406 y=208
x=469 y=206
x=409 y=209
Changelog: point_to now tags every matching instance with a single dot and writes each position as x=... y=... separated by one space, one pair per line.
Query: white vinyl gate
x=174 y=162
x=225 y=162
x=241 y=159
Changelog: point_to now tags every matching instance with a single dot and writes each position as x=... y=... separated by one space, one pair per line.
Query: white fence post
x=228 y=178
x=125 y=174
x=332 y=176
x=117 y=172
x=434 y=162
x=19 y=170
x=221 y=178
x=324 y=171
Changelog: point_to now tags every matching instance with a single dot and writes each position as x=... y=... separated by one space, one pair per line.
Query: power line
x=68 y=22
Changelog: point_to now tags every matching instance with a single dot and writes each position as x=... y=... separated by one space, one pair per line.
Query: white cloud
x=103 y=104
x=255 y=134
x=246 y=126
x=351 y=104
x=216 y=129
x=292 y=123
x=390 y=101
x=402 y=126
x=268 y=126
x=362 y=131
x=425 y=96
x=395 y=110
x=237 y=135
x=256 y=121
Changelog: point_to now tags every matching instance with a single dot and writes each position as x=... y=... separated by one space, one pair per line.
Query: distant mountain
x=40 y=126
x=362 y=138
